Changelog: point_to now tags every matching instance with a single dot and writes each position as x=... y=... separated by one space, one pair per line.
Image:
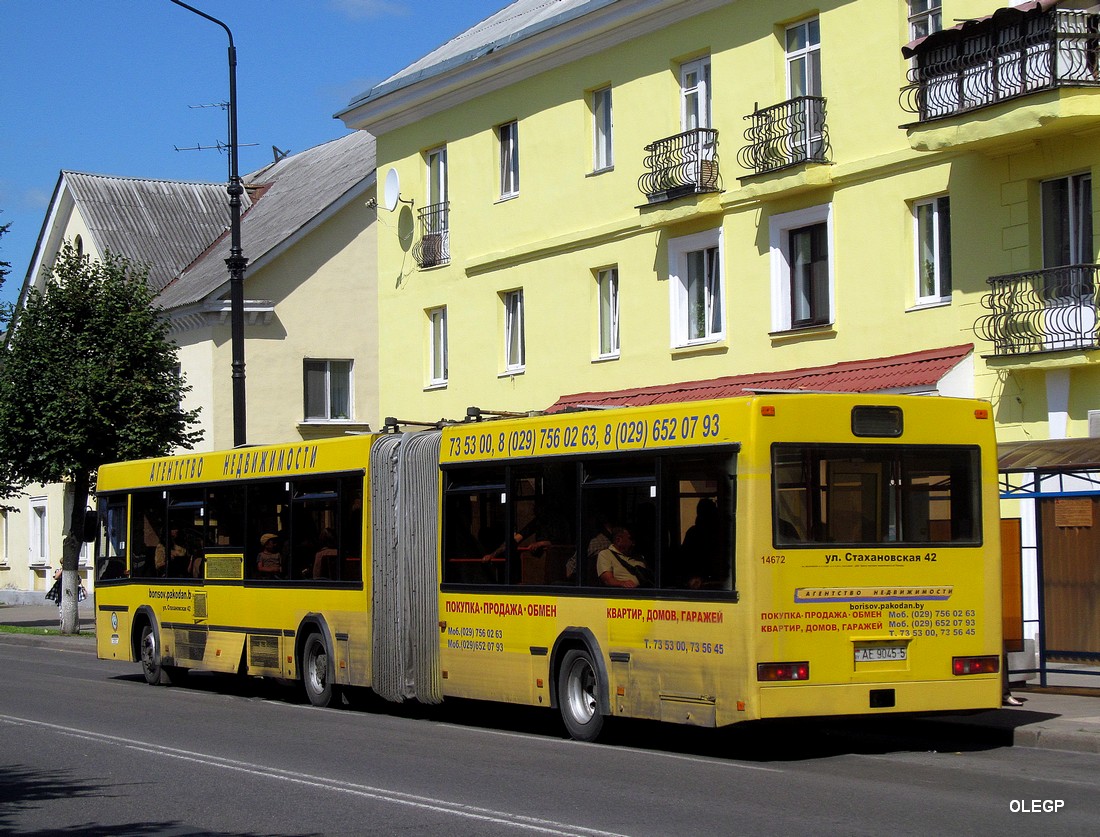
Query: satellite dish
x=391 y=192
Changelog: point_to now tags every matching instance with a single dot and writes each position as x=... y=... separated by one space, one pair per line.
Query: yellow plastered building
x=601 y=197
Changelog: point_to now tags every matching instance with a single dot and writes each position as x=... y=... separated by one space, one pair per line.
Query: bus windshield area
x=875 y=494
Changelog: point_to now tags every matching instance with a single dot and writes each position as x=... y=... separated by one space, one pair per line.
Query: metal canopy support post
x=237 y=260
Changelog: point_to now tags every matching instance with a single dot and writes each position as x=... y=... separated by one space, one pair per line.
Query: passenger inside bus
x=619 y=566
x=269 y=561
x=701 y=551
x=325 y=563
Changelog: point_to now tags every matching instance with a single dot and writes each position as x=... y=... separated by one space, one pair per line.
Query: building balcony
x=1041 y=311
x=788 y=134
x=684 y=164
x=434 y=246
x=1005 y=56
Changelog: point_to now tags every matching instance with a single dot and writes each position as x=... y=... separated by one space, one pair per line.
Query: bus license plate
x=877 y=653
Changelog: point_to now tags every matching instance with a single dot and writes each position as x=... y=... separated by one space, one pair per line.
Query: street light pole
x=237 y=260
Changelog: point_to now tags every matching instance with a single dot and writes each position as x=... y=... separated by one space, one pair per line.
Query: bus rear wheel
x=579 y=696
x=315 y=671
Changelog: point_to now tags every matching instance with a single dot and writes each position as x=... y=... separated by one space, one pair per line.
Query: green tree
x=89 y=377
x=5 y=267
x=9 y=485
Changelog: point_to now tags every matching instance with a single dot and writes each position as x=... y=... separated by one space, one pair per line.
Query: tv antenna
x=218 y=146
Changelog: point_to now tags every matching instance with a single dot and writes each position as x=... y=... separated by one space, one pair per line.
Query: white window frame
x=680 y=251
x=515 y=351
x=607 y=314
x=437 y=346
x=603 y=130
x=38 y=541
x=695 y=96
x=436 y=160
x=779 y=227
x=925 y=17
x=1079 y=226
x=328 y=391
x=4 y=521
x=940 y=222
x=810 y=53
x=508 y=139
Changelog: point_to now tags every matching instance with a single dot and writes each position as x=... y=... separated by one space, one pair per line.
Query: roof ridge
x=135 y=178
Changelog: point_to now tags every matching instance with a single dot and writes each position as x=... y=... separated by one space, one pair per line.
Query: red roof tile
x=913 y=371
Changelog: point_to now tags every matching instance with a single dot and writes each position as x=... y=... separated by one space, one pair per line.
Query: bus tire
x=579 y=696
x=149 y=654
x=316 y=671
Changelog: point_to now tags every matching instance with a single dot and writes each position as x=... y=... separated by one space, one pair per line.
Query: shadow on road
x=761 y=741
x=23 y=792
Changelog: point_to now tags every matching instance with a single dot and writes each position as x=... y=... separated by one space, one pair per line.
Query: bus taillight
x=975 y=665
x=783 y=671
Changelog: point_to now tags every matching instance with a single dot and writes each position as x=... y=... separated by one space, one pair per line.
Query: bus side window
x=618 y=493
x=314 y=526
x=111 y=546
x=475 y=527
x=544 y=522
x=268 y=515
x=148 y=555
x=351 y=532
x=698 y=518
x=791 y=498
x=184 y=545
x=225 y=517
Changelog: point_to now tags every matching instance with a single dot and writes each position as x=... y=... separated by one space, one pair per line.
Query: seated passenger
x=325 y=559
x=269 y=562
x=618 y=566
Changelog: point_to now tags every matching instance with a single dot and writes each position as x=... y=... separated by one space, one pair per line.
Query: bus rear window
x=868 y=495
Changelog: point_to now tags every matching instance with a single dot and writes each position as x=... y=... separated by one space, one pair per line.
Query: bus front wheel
x=579 y=696
x=315 y=671
x=151 y=666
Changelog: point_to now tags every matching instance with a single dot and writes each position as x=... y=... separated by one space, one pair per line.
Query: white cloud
x=356 y=9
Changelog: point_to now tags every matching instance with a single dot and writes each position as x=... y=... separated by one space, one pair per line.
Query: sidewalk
x=46 y=615
x=1050 y=719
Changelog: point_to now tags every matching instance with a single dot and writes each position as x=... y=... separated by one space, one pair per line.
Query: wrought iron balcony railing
x=1041 y=311
x=434 y=246
x=684 y=164
x=787 y=134
x=1000 y=61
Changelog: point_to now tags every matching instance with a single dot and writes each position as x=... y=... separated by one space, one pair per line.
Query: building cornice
x=586 y=35
x=217 y=312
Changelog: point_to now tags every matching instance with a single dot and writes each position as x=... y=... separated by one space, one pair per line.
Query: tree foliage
x=9 y=484
x=5 y=267
x=89 y=377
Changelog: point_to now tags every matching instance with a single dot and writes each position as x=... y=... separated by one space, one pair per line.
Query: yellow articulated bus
x=703 y=563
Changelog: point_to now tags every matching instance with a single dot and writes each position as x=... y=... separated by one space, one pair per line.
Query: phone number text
x=595 y=436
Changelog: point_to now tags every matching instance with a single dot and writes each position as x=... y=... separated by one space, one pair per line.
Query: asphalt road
x=87 y=748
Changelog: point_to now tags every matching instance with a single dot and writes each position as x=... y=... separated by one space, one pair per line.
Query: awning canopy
x=1051 y=455
x=999 y=19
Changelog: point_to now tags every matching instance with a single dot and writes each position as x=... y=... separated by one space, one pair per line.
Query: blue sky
x=111 y=86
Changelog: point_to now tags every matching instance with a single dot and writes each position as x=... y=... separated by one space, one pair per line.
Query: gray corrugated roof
x=162 y=223
x=520 y=20
x=298 y=189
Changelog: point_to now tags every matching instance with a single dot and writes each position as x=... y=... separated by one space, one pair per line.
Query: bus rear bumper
x=805 y=700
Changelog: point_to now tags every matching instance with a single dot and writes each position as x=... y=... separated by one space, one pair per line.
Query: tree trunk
x=70 y=554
